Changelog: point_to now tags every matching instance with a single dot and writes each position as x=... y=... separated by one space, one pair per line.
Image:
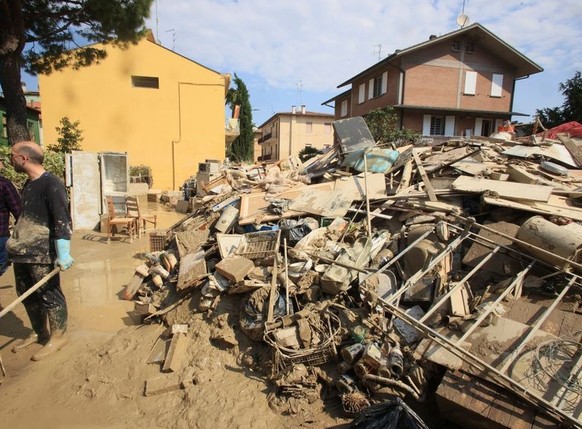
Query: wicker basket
x=322 y=353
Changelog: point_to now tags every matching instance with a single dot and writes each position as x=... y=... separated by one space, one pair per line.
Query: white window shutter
x=384 y=82
x=426 y=125
x=470 y=82
x=362 y=93
x=449 y=126
x=496 y=85
x=370 y=89
x=344 y=108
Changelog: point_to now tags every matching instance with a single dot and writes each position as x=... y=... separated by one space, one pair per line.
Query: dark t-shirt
x=44 y=218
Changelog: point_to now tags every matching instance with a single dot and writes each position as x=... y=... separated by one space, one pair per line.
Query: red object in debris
x=573 y=129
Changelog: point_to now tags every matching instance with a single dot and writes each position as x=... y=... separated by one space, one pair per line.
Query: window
x=496 y=85
x=456 y=46
x=437 y=126
x=378 y=86
x=362 y=93
x=344 y=108
x=470 y=83
x=469 y=47
x=327 y=128
x=145 y=82
x=384 y=88
x=309 y=127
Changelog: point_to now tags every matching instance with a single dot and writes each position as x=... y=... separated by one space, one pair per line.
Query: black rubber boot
x=58 y=323
x=39 y=333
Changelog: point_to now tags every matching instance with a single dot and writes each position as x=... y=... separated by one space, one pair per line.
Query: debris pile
x=431 y=273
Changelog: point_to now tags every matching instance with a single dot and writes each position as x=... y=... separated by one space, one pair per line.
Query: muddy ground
x=98 y=380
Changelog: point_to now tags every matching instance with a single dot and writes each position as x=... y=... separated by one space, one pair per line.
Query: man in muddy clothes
x=9 y=203
x=40 y=238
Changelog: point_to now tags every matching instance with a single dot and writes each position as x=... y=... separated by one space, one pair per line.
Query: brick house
x=285 y=134
x=460 y=83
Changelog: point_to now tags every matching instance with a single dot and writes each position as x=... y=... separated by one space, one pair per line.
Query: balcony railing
x=265 y=138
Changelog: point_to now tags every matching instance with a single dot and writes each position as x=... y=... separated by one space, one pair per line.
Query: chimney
x=293 y=109
x=303 y=109
x=23 y=86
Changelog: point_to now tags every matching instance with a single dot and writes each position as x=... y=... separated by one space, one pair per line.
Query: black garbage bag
x=393 y=414
x=254 y=310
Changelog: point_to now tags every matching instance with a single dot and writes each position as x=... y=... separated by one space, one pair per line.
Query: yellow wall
x=143 y=122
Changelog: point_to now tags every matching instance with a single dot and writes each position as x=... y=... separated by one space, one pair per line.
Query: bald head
x=31 y=150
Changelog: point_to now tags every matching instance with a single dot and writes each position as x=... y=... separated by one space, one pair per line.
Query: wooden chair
x=142 y=219
x=117 y=221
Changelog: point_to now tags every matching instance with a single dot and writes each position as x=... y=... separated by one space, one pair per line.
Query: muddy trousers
x=48 y=300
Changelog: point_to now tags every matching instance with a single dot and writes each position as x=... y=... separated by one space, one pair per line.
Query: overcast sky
x=292 y=52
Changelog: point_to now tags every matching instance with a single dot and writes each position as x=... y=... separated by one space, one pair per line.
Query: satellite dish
x=462 y=20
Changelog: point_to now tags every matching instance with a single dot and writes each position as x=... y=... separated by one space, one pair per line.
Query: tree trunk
x=12 y=39
x=14 y=98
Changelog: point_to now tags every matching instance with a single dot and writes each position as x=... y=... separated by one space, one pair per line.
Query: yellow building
x=165 y=110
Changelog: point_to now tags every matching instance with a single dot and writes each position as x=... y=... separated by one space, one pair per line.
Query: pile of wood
x=394 y=269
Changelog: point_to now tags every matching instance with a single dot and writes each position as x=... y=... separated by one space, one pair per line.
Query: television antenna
x=462 y=19
x=173 y=31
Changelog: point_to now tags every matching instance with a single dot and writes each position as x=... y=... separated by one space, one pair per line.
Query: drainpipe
x=179 y=139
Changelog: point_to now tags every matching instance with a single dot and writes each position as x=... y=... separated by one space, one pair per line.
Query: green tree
x=241 y=149
x=308 y=152
x=70 y=137
x=571 y=109
x=38 y=35
x=383 y=125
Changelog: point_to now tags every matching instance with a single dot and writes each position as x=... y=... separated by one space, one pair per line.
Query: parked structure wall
x=164 y=110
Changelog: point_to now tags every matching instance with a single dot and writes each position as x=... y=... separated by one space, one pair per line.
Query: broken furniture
x=115 y=223
x=133 y=210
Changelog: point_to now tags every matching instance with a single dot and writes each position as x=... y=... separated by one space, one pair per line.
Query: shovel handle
x=30 y=291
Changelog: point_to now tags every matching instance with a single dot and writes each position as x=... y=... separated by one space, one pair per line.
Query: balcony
x=265 y=138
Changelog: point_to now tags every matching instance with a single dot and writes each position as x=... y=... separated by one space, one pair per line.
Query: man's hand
x=64 y=259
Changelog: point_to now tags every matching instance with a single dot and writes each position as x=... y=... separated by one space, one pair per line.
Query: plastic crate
x=157 y=241
x=261 y=244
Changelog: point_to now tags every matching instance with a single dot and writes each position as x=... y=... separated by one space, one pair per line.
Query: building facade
x=458 y=84
x=286 y=134
x=32 y=120
x=165 y=110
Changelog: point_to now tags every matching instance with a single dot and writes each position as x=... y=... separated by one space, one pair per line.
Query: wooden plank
x=254 y=206
x=192 y=268
x=272 y=293
x=556 y=206
x=510 y=190
x=424 y=176
x=322 y=203
x=159 y=385
x=177 y=353
x=475 y=403
x=354 y=186
x=574 y=149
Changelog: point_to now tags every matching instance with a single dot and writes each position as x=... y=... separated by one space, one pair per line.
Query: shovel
x=30 y=291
